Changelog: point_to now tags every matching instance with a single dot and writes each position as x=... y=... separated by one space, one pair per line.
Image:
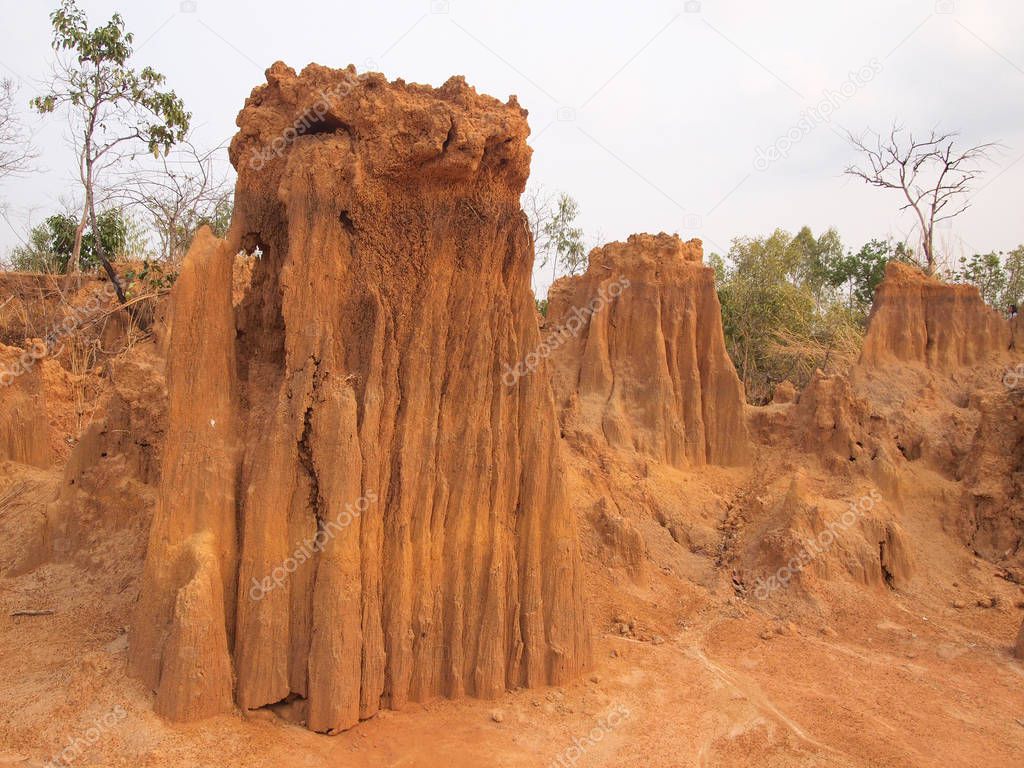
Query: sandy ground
x=916 y=685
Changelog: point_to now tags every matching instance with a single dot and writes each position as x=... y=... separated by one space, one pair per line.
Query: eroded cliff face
x=640 y=358
x=918 y=319
x=806 y=540
x=401 y=525
x=936 y=360
x=935 y=391
x=991 y=521
x=108 y=484
x=24 y=429
x=186 y=606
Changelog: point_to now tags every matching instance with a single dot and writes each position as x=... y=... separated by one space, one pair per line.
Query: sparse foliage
x=180 y=195
x=932 y=175
x=153 y=278
x=985 y=272
x=555 y=238
x=16 y=152
x=1014 y=293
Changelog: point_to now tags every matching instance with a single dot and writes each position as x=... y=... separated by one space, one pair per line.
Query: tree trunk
x=75 y=264
x=929 y=252
x=98 y=244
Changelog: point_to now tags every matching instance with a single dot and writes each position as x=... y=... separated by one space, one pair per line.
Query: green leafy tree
x=717 y=263
x=856 y=275
x=556 y=238
x=998 y=276
x=39 y=254
x=1013 y=294
x=51 y=244
x=779 y=313
x=985 y=272
x=115 y=109
x=761 y=300
x=811 y=260
x=566 y=239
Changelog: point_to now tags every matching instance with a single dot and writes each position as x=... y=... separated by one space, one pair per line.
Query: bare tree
x=16 y=152
x=184 y=192
x=932 y=174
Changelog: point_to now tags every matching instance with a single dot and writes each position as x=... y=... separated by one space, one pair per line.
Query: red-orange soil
x=583 y=548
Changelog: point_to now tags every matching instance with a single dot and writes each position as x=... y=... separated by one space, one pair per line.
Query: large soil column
x=640 y=355
x=403 y=529
x=179 y=638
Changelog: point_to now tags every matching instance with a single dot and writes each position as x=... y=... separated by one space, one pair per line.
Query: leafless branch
x=176 y=194
x=932 y=174
x=16 y=152
x=539 y=205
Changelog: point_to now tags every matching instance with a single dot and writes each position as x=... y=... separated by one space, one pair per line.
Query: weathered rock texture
x=830 y=419
x=991 y=516
x=402 y=525
x=938 y=371
x=839 y=426
x=24 y=428
x=640 y=355
x=809 y=540
x=918 y=319
x=108 y=484
x=187 y=596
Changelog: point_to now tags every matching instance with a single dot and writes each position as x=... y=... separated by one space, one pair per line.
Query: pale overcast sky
x=651 y=114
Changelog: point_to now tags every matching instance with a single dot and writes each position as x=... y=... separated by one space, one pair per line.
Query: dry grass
x=832 y=353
